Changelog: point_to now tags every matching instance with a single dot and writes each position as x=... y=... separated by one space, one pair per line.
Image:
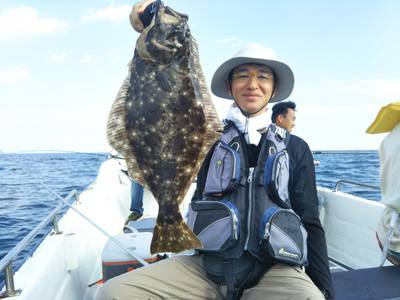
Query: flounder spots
x=165 y=119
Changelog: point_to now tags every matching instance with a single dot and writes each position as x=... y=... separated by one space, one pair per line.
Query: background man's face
x=288 y=121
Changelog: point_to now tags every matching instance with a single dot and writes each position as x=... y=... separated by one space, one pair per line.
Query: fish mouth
x=165 y=37
x=173 y=40
x=168 y=46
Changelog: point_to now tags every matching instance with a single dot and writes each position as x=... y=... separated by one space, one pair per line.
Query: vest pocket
x=276 y=178
x=283 y=236
x=207 y=217
x=224 y=170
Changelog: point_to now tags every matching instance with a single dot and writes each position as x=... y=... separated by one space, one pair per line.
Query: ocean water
x=24 y=203
x=356 y=166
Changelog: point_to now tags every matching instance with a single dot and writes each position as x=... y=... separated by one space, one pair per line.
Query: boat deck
x=371 y=283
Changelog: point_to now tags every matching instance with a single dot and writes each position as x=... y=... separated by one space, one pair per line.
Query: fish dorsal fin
x=215 y=125
x=117 y=136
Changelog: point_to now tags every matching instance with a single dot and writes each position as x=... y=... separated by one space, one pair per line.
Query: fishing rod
x=115 y=241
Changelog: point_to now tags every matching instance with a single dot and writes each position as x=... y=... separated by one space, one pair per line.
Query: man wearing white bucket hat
x=237 y=263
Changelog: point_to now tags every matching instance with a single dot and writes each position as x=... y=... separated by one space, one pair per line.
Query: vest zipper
x=249 y=181
x=235 y=226
x=266 y=233
x=235 y=220
x=227 y=147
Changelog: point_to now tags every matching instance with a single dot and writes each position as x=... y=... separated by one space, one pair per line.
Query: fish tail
x=174 y=237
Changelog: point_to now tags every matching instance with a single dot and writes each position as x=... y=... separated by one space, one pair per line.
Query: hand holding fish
x=137 y=9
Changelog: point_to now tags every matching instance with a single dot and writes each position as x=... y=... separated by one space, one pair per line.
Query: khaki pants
x=183 y=277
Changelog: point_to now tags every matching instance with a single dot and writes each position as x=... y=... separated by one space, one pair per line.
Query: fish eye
x=168 y=11
x=170 y=16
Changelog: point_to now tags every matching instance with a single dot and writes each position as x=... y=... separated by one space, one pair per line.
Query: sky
x=62 y=63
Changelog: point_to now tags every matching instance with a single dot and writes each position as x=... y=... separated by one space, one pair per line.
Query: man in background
x=284 y=115
x=136 y=202
x=136 y=190
x=388 y=231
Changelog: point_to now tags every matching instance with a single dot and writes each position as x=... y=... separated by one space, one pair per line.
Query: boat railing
x=340 y=182
x=6 y=264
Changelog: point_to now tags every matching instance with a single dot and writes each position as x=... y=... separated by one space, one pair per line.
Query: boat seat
x=371 y=283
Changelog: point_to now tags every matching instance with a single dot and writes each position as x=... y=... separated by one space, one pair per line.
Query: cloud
x=13 y=76
x=58 y=57
x=337 y=109
x=232 y=41
x=345 y=91
x=114 y=53
x=229 y=40
x=88 y=59
x=110 y=13
x=377 y=88
x=23 y=21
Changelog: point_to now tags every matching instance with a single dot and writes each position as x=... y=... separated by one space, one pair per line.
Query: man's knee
x=284 y=282
x=308 y=293
x=108 y=291
x=118 y=289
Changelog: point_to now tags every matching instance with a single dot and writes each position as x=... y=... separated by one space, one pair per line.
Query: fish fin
x=164 y=81
x=117 y=136
x=174 y=238
x=215 y=126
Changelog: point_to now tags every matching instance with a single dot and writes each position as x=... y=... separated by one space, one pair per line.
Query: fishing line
x=115 y=241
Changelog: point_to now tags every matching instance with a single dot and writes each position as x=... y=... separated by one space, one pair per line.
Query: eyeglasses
x=244 y=76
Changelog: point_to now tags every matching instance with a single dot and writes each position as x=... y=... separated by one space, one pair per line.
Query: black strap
x=202 y=176
x=231 y=292
x=254 y=276
x=234 y=289
x=287 y=139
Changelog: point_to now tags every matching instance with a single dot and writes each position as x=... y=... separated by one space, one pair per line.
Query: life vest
x=244 y=209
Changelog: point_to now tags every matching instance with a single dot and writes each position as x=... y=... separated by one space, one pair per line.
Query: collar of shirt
x=252 y=128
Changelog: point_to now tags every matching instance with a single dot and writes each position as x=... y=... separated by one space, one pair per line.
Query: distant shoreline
x=55 y=152
x=342 y=151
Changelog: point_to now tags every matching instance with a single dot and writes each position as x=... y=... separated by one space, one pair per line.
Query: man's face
x=288 y=121
x=252 y=86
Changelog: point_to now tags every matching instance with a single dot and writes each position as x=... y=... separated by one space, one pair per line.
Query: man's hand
x=137 y=9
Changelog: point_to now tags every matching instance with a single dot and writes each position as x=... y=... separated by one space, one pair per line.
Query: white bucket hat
x=254 y=54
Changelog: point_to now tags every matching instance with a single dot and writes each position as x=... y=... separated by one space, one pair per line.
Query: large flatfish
x=164 y=123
